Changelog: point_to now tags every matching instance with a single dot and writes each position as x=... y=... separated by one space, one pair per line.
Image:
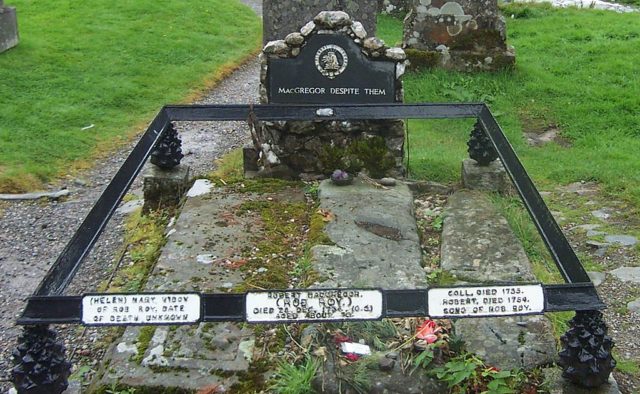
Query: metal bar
x=231 y=307
x=63 y=270
x=562 y=253
x=275 y=112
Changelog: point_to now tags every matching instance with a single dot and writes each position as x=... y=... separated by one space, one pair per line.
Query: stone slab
x=627 y=274
x=375 y=236
x=477 y=243
x=492 y=178
x=510 y=342
x=200 y=246
x=8 y=28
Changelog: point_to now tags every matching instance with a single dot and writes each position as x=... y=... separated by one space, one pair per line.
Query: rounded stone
x=373 y=43
x=294 y=39
x=332 y=19
x=387 y=181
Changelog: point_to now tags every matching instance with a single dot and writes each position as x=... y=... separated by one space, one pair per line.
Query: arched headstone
x=8 y=27
x=331 y=60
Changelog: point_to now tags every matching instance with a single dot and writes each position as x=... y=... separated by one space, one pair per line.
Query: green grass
x=576 y=69
x=109 y=64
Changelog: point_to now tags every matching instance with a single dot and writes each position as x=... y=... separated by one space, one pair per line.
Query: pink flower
x=351 y=356
x=339 y=338
x=428 y=331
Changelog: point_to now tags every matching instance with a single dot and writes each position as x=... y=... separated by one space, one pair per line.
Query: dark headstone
x=462 y=35
x=281 y=17
x=329 y=60
x=8 y=27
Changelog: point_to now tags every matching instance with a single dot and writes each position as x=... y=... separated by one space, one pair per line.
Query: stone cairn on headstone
x=281 y=17
x=464 y=35
x=329 y=60
x=8 y=27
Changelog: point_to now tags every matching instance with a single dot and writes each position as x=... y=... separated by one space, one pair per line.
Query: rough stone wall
x=300 y=149
x=281 y=17
x=8 y=27
x=463 y=34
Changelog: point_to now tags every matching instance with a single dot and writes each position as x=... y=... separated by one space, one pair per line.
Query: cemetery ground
x=596 y=142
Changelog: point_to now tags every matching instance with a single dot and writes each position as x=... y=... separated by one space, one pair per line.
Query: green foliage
x=373 y=154
x=142 y=344
x=111 y=65
x=467 y=373
x=295 y=379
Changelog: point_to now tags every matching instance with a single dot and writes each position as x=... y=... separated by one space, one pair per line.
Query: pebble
x=386 y=364
x=387 y=182
x=601 y=213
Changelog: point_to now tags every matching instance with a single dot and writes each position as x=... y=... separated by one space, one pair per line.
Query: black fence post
x=168 y=151
x=40 y=364
x=480 y=147
x=586 y=357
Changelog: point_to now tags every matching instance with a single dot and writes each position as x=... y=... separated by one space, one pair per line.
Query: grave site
x=311 y=260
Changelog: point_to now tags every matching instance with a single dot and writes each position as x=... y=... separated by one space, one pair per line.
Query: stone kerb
x=465 y=35
x=365 y=71
x=8 y=27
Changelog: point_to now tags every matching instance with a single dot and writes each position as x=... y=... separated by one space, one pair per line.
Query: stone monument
x=330 y=60
x=8 y=27
x=464 y=35
x=281 y=17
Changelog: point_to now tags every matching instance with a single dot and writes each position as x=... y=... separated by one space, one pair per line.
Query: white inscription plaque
x=479 y=301
x=148 y=308
x=313 y=305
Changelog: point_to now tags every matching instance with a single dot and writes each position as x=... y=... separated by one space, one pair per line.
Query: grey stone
x=386 y=364
x=332 y=19
x=276 y=47
x=634 y=306
x=307 y=28
x=510 y=342
x=428 y=187
x=603 y=213
x=8 y=28
x=395 y=54
x=164 y=188
x=394 y=263
x=627 y=274
x=374 y=44
x=249 y=158
x=624 y=240
x=492 y=178
x=281 y=17
x=580 y=188
x=556 y=384
x=587 y=227
x=594 y=233
x=477 y=243
x=387 y=182
x=294 y=39
x=597 y=277
x=359 y=30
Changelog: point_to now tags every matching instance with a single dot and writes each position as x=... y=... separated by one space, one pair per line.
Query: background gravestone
x=8 y=27
x=330 y=60
x=462 y=35
x=281 y=17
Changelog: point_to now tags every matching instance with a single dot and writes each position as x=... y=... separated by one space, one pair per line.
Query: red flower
x=351 y=356
x=339 y=338
x=428 y=331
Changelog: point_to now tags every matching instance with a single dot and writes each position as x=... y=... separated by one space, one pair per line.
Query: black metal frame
x=49 y=306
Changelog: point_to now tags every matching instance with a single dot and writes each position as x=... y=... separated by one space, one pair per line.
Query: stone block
x=492 y=178
x=281 y=17
x=8 y=27
x=249 y=158
x=164 y=188
x=463 y=35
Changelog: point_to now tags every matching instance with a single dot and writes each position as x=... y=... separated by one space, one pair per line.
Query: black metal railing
x=586 y=357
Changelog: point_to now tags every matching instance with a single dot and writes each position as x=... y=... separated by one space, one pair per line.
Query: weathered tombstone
x=281 y=17
x=8 y=27
x=461 y=35
x=330 y=60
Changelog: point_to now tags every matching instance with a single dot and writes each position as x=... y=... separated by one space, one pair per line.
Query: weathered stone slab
x=627 y=274
x=8 y=27
x=477 y=243
x=202 y=254
x=375 y=236
x=462 y=35
x=479 y=246
x=510 y=342
x=281 y=17
x=492 y=178
x=164 y=188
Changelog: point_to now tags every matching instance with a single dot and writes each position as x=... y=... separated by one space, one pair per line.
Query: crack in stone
x=504 y=342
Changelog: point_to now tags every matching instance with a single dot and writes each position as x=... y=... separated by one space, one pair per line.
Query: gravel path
x=32 y=234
